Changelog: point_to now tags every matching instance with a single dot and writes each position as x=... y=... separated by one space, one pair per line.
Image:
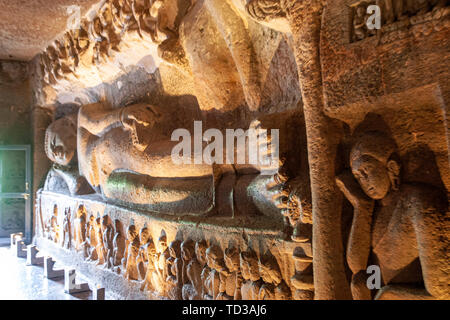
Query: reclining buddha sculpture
x=126 y=155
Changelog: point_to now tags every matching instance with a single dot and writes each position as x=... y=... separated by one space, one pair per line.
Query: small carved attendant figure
x=66 y=238
x=80 y=227
x=141 y=261
x=175 y=271
x=192 y=269
x=150 y=252
x=160 y=273
x=91 y=240
x=100 y=248
x=234 y=280
x=118 y=245
x=403 y=224
x=54 y=226
x=271 y=275
x=359 y=23
x=215 y=283
x=107 y=235
x=200 y=253
x=131 y=253
x=250 y=272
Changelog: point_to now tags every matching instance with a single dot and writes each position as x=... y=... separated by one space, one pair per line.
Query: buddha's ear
x=393 y=168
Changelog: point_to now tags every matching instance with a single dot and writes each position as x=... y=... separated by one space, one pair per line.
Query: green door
x=15 y=194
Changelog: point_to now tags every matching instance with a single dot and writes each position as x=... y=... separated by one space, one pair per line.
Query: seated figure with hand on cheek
x=396 y=225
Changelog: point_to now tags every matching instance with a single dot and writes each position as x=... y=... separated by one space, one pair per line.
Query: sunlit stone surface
x=362 y=178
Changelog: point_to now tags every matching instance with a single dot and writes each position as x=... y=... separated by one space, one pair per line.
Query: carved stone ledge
x=271 y=266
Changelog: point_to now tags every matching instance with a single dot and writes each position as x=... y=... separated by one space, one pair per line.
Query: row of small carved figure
x=103 y=34
x=180 y=270
x=391 y=10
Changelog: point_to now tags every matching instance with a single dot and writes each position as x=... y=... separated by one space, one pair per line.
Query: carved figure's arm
x=358 y=247
x=98 y=117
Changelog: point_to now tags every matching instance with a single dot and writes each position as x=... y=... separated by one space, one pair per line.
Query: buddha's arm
x=98 y=117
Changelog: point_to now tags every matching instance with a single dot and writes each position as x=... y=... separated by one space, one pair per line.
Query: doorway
x=15 y=191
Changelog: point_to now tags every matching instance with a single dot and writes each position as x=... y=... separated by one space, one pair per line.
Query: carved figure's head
x=269 y=270
x=187 y=250
x=361 y=10
x=144 y=235
x=232 y=259
x=214 y=258
x=174 y=249
x=151 y=249
x=131 y=232
x=200 y=252
x=81 y=212
x=375 y=165
x=61 y=140
x=162 y=243
x=105 y=221
x=117 y=226
x=249 y=265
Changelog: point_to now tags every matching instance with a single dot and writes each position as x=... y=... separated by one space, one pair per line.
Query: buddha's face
x=174 y=250
x=61 y=142
x=372 y=176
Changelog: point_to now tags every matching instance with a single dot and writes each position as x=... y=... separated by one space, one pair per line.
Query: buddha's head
x=61 y=140
x=375 y=165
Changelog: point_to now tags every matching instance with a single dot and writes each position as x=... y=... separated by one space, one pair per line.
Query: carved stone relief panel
x=175 y=260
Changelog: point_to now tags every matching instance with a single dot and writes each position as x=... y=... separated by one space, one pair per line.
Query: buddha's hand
x=139 y=114
x=353 y=192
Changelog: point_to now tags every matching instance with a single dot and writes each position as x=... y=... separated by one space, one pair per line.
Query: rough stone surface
x=363 y=174
x=42 y=22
